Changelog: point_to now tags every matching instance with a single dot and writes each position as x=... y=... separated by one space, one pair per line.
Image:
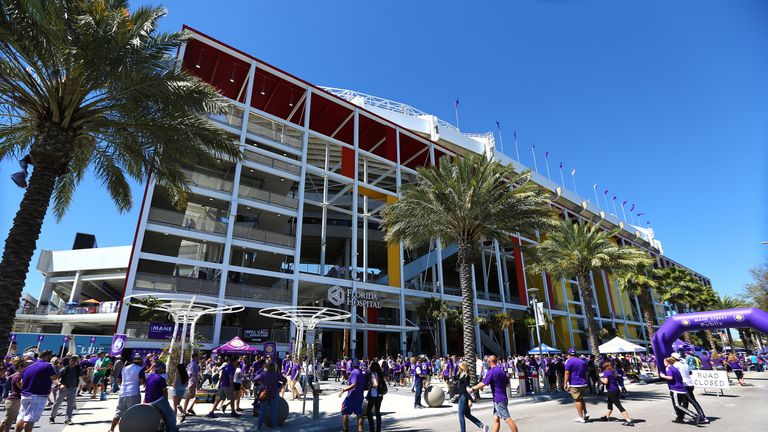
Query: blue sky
x=663 y=103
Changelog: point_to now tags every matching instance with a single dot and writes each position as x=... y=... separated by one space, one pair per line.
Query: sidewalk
x=96 y=415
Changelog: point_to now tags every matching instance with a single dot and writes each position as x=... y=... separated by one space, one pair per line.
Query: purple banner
x=12 y=337
x=65 y=339
x=164 y=331
x=93 y=340
x=270 y=350
x=40 y=338
x=118 y=343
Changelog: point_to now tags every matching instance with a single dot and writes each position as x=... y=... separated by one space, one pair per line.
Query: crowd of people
x=33 y=381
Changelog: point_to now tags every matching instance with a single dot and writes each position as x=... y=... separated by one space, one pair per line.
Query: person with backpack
x=271 y=381
x=376 y=392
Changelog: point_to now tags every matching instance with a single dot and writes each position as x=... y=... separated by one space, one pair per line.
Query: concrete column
x=74 y=296
x=45 y=293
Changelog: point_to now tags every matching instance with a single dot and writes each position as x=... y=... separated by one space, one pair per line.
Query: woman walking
x=271 y=382
x=677 y=391
x=610 y=379
x=375 y=397
x=465 y=400
x=735 y=365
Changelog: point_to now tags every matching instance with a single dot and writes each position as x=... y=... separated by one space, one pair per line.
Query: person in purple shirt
x=36 y=384
x=156 y=394
x=271 y=381
x=193 y=373
x=610 y=379
x=226 y=391
x=706 y=361
x=293 y=379
x=677 y=391
x=498 y=380
x=576 y=382
x=735 y=365
x=353 y=403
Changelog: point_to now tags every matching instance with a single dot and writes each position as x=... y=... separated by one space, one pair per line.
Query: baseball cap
x=137 y=358
x=572 y=351
x=676 y=355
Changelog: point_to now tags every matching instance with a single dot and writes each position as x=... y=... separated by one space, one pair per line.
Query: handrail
x=267 y=197
x=98 y=308
x=247 y=231
x=191 y=220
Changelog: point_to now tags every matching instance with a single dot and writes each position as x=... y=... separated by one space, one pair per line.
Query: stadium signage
x=710 y=379
x=339 y=296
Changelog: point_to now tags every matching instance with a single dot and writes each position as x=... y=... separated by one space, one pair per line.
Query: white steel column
x=500 y=276
x=398 y=181
x=74 y=295
x=439 y=267
x=45 y=293
x=300 y=209
x=353 y=259
x=224 y=277
x=567 y=310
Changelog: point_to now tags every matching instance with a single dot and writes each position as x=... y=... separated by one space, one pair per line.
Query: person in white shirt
x=237 y=382
x=685 y=372
x=131 y=379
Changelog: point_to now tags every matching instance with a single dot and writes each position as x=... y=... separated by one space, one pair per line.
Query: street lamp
x=532 y=302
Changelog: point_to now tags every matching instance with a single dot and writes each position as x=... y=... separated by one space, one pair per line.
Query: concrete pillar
x=45 y=293
x=74 y=296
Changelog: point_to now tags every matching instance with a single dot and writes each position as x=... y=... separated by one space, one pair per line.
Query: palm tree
x=466 y=201
x=641 y=281
x=432 y=310
x=727 y=302
x=678 y=287
x=85 y=86
x=498 y=322
x=705 y=300
x=575 y=250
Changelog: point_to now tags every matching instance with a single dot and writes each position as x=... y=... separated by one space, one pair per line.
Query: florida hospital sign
x=338 y=296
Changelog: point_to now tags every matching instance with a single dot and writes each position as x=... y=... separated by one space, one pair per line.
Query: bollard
x=535 y=378
x=316 y=404
x=521 y=386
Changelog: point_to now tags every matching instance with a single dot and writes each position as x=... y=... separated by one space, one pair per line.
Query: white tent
x=619 y=345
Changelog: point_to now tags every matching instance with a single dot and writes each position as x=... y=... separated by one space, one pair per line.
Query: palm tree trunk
x=711 y=341
x=730 y=340
x=21 y=244
x=586 y=296
x=648 y=314
x=464 y=258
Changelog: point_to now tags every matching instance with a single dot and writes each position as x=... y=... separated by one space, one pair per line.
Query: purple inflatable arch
x=676 y=325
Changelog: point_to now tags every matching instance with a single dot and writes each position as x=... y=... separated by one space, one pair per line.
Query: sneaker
x=224 y=409
x=235 y=414
x=604 y=418
x=183 y=417
x=52 y=420
x=68 y=422
x=579 y=420
x=586 y=417
x=681 y=421
x=211 y=415
x=191 y=413
x=703 y=420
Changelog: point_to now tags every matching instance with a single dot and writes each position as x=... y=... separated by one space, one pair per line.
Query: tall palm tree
x=432 y=310
x=466 y=201
x=85 y=86
x=705 y=300
x=575 y=250
x=641 y=281
x=725 y=302
x=678 y=287
x=498 y=322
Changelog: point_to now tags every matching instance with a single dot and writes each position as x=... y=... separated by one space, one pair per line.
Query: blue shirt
x=36 y=379
x=225 y=380
x=497 y=379
x=154 y=387
x=272 y=381
x=360 y=380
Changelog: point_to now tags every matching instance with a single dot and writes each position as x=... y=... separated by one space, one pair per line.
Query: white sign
x=338 y=296
x=710 y=379
x=540 y=313
x=310 y=336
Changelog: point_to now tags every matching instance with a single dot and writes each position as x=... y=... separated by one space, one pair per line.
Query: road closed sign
x=710 y=379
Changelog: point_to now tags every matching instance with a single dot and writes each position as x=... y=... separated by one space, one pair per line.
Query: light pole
x=532 y=294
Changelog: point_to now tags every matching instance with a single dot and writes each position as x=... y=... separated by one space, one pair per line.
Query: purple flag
x=614 y=197
x=623 y=203
x=118 y=343
x=498 y=125
x=632 y=208
x=457 y=103
x=546 y=155
x=561 y=165
x=514 y=135
x=640 y=214
x=40 y=338
x=93 y=340
x=65 y=339
x=270 y=350
x=605 y=192
x=12 y=337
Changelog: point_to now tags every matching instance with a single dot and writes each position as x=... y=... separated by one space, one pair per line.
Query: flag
x=632 y=208
x=595 y=186
x=546 y=155
x=605 y=192
x=514 y=135
x=573 y=171
x=498 y=125
x=533 y=146
x=623 y=203
x=614 y=197
x=457 y=103
x=561 y=165
x=640 y=214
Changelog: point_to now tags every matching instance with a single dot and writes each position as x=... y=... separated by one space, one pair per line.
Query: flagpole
x=517 y=150
x=457 y=115
x=605 y=198
x=562 y=179
x=501 y=138
x=533 y=151
x=615 y=213
x=573 y=179
x=623 y=212
x=597 y=200
x=546 y=162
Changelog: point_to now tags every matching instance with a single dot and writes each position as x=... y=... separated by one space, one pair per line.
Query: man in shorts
x=36 y=382
x=353 y=403
x=226 y=391
x=576 y=382
x=193 y=370
x=131 y=379
x=497 y=378
x=100 y=374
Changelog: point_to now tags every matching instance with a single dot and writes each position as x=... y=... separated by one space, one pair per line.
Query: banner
x=40 y=338
x=65 y=339
x=93 y=340
x=710 y=379
x=118 y=343
x=164 y=331
x=270 y=350
x=12 y=337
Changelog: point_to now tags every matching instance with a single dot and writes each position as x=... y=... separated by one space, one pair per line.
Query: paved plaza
x=740 y=409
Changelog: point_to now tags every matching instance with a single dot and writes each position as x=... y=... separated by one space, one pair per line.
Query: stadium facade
x=297 y=222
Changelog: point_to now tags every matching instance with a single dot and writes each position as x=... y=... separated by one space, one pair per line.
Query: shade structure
x=619 y=345
x=544 y=349
x=236 y=346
